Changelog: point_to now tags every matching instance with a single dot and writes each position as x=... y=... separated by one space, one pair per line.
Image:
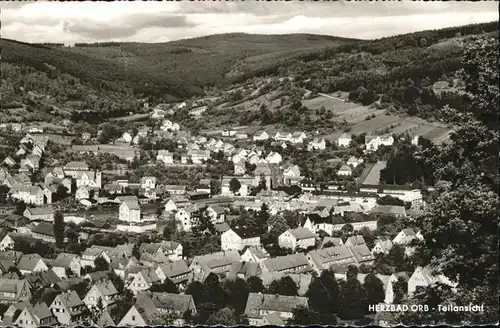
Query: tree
x=234 y=185
x=101 y=264
x=136 y=252
x=352 y=272
x=195 y=289
x=284 y=286
x=460 y=223
x=255 y=285
x=374 y=289
x=117 y=281
x=212 y=291
x=262 y=183
x=166 y=286
x=352 y=299
x=303 y=316
x=20 y=208
x=61 y=193
x=237 y=294
x=328 y=279
x=225 y=317
x=59 y=229
x=320 y=302
x=399 y=288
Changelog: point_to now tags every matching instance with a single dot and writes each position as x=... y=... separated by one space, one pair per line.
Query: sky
x=70 y=22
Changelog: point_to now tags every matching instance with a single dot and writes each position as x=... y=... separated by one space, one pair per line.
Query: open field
x=336 y=106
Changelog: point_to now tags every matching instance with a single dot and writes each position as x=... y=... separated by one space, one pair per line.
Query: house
x=14 y=290
x=216 y=213
x=389 y=292
x=32 y=162
x=243 y=270
x=423 y=277
x=9 y=161
x=298 y=137
x=260 y=135
x=362 y=254
x=91 y=179
x=228 y=133
x=219 y=262
x=354 y=241
x=286 y=136
x=175 y=189
x=354 y=161
x=85 y=136
x=382 y=247
x=30 y=263
x=345 y=170
x=105 y=291
x=307 y=185
x=405 y=236
x=293 y=263
x=28 y=194
x=324 y=258
x=143 y=280
x=372 y=143
x=274 y=158
x=37 y=315
x=317 y=144
x=149 y=309
x=44 y=231
x=261 y=305
x=233 y=240
x=344 y=140
x=72 y=168
x=170 y=206
x=186 y=218
x=239 y=168
x=397 y=211
x=125 y=138
x=291 y=175
x=199 y=156
x=177 y=271
x=68 y=308
x=163 y=251
x=148 y=182
x=299 y=237
x=82 y=192
x=130 y=211
x=330 y=242
x=415 y=140
x=256 y=254
x=92 y=253
x=165 y=156
x=65 y=262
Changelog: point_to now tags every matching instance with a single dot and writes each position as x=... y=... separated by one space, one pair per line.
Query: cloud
x=123 y=28
x=172 y=20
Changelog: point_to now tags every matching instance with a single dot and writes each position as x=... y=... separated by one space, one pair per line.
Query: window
x=133 y=318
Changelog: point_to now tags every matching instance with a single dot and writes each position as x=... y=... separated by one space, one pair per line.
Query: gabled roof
x=301 y=233
x=356 y=240
x=64 y=260
x=29 y=261
x=330 y=254
x=70 y=299
x=175 y=268
x=44 y=228
x=40 y=210
x=281 y=263
x=248 y=269
x=106 y=288
x=132 y=205
x=276 y=303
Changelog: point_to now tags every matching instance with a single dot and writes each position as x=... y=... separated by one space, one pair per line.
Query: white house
x=185 y=220
x=231 y=240
x=345 y=170
x=148 y=182
x=354 y=161
x=255 y=254
x=130 y=211
x=298 y=137
x=31 y=263
x=260 y=307
x=299 y=237
x=317 y=144
x=423 y=277
x=382 y=246
x=261 y=135
x=372 y=143
x=165 y=156
x=344 y=140
x=143 y=280
x=286 y=136
x=274 y=158
x=170 y=206
x=105 y=291
x=405 y=236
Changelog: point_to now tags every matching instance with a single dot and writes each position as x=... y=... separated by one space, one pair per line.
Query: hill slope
x=180 y=68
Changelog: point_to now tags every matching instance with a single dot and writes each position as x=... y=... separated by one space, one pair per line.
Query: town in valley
x=296 y=194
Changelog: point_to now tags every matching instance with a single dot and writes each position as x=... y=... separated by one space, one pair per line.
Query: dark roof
x=44 y=229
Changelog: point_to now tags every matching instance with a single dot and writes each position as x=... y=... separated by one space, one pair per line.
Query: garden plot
x=334 y=105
